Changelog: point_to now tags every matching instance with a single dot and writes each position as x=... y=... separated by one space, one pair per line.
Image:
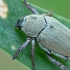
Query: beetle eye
x=18 y=24
x=18 y=21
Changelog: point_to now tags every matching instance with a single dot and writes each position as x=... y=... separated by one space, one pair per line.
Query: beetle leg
x=32 y=54
x=50 y=13
x=57 y=63
x=20 y=48
x=31 y=8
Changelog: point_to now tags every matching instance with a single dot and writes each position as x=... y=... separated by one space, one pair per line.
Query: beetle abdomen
x=55 y=37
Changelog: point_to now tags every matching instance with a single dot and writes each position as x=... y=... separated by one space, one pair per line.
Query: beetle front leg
x=20 y=48
x=31 y=8
x=32 y=54
x=57 y=63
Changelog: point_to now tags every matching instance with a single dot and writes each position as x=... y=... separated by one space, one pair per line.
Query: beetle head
x=31 y=25
x=19 y=24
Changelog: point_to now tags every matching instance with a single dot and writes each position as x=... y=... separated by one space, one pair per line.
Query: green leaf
x=12 y=38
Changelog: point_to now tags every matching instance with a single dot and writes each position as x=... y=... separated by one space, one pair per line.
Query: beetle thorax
x=34 y=24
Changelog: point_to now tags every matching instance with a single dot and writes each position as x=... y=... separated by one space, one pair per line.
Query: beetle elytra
x=51 y=35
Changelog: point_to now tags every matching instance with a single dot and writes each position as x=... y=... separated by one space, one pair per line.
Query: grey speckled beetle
x=52 y=36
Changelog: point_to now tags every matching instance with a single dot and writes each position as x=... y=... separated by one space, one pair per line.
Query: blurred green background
x=60 y=7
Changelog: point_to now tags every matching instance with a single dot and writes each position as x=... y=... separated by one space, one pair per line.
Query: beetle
x=51 y=35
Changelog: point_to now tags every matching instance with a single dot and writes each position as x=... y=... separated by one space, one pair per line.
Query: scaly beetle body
x=51 y=35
